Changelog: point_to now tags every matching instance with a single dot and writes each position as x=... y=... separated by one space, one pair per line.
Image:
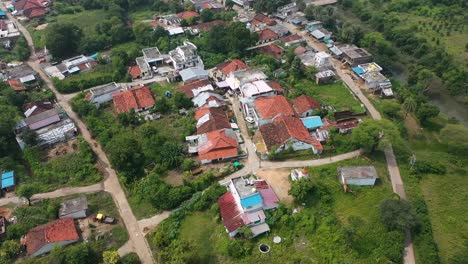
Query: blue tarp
x=251 y=200
x=312 y=122
x=8 y=179
x=94 y=56
x=358 y=70
x=2 y=13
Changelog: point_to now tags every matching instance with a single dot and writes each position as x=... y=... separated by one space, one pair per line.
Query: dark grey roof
x=20 y=71
x=42 y=116
x=73 y=206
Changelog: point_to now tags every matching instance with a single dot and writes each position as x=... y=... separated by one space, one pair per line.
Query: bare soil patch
x=62 y=149
x=278 y=179
x=174 y=178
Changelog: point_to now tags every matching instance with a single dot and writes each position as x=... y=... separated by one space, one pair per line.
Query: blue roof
x=252 y=200
x=2 y=13
x=358 y=70
x=312 y=122
x=8 y=174
x=8 y=179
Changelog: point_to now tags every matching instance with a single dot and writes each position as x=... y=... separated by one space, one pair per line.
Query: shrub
x=425 y=167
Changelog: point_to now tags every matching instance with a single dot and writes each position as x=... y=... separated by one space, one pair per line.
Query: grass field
x=335 y=95
x=317 y=233
x=446 y=197
x=86 y=21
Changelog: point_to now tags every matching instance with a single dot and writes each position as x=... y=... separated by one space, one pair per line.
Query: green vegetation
x=335 y=95
x=332 y=227
x=74 y=169
x=46 y=211
x=416 y=34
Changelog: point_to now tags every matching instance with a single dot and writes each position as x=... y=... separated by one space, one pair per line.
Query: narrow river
x=450 y=107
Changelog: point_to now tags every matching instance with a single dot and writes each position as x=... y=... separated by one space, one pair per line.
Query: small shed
x=298 y=174
x=358 y=175
x=74 y=208
x=8 y=180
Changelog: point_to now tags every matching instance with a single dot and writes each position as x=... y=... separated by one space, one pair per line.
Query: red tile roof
x=231 y=66
x=187 y=14
x=264 y=19
x=16 y=85
x=291 y=38
x=134 y=71
x=188 y=87
x=57 y=231
x=269 y=107
x=275 y=86
x=134 y=98
x=217 y=119
x=207 y=26
x=35 y=12
x=304 y=103
x=218 y=146
x=267 y=34
x=230 y=212
x=272 y=50
x=284 y=128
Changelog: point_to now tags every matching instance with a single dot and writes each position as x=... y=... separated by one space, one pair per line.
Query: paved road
x=111 y=184
x=392 y=165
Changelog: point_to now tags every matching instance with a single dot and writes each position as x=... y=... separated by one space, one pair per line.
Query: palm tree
x=409 y=105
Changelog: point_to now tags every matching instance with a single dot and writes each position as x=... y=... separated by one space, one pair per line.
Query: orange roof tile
x=272 y=50
x=188 y=87
x=187 y=14
x=267 y=34
x=218 y=146
x=217 y=119
x=134 y=71
x=284 y=128
x=275 y=86
x=291 y=38
x=232 y=66
x=269 y=107
x=57 y=231
x=134 y=98
x=304 y=103
x=264 y=19
x=16 y=85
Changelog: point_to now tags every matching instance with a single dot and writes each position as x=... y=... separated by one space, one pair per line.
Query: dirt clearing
x=63 y=149
x=278 y=179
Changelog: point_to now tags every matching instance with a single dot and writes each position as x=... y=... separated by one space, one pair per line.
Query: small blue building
x=2 y=15
x=8 y=180
x=312 y=122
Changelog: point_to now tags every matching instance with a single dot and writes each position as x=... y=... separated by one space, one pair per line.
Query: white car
x=250 y=120
x=155 y=69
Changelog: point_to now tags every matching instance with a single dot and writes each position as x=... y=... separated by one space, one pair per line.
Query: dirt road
x=111 y=184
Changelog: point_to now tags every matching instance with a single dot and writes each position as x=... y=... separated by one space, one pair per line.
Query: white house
x=185 y=56
x=358 y=175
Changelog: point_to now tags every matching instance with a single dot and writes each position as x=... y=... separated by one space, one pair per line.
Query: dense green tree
x=371 y=134
x=10 y=248
x=110 y=257
x=162 y=106
x=182 y=101
x=126 y=155
x=63 y=39
x=301 y=189
x=409 y=106
x=391 y=108
x=426 y=112
x=21 y=49
x=397 y=215
x=172 y=154
x=144 y=33
x=207 y=15
x=455 y=138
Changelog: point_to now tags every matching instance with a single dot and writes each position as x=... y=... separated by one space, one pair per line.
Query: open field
x=335 y=95
x=317 y=234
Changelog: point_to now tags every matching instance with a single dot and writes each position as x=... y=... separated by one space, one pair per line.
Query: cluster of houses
x=42 y=239
x=71 y=66
x=44 y=119
x=182 y=63
x=9 y=32
x=244 y=205
x=29 y=9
